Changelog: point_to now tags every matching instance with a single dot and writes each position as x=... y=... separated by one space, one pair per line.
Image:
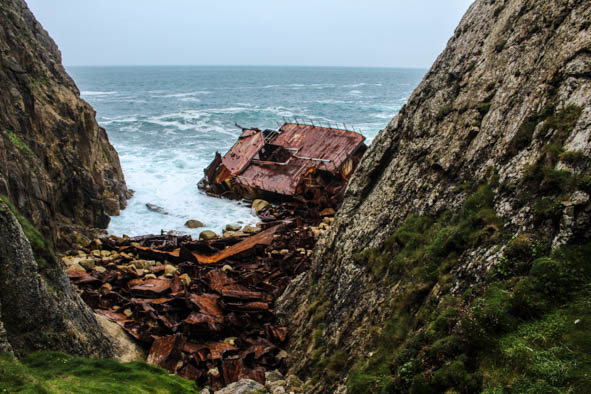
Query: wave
x=188 y=94
x=360 y=84
x=96 y=93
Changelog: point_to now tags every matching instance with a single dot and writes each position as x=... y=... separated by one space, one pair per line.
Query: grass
x=526 y=329
x=42 y=249
x=52 y=372
x=18 y=142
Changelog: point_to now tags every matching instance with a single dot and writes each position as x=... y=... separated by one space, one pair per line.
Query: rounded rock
x=208 y=235
x=194 y=224
x=259 y=205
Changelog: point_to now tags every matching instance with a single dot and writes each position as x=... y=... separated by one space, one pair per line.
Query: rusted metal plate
x=225 y=312
x=166 y=351
x=243 y=151
x=262 y=238
x=284 y=163
x=329 y=147
x=207 y=304
x=277 y=179
x=156 y=286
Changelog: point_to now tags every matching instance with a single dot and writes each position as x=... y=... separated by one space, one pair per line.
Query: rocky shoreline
x=204 y=308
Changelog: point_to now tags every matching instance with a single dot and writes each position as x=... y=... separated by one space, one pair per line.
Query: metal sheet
x=320 y=143
x=243 y=151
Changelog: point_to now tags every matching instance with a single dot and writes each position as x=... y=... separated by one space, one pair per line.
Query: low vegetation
x=525 y=328
x=51 y=372
x=18 y=142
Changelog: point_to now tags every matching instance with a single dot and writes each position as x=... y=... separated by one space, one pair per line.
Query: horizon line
x=243 y=65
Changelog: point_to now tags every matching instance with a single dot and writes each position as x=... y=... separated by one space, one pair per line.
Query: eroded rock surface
x=509 y=62
x=56 y=164
x=40 y=309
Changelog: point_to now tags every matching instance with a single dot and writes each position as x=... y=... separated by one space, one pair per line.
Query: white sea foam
x=188 y=94
x=168 y=130
x=96 y=93
x=168 y=179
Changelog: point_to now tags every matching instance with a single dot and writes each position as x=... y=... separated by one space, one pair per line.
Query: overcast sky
x=391 y=33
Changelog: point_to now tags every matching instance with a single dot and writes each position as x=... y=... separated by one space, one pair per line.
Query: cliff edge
x=56 y=164
x=466 y=222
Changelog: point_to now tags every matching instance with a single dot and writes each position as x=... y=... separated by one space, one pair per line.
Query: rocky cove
x=458 y=260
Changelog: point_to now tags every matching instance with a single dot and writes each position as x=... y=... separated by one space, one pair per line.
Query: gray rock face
x=243 y=386
x=39 y=308
x=56 y=164
x=506 y=61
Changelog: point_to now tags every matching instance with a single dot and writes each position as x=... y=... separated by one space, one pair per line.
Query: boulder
x=250 y=230
x=207 y=235
x=194 y=224
x=259 y=205
x=243 y=386
x=233 y=227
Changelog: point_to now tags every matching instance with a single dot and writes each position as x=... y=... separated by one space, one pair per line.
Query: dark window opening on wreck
x=273 y=153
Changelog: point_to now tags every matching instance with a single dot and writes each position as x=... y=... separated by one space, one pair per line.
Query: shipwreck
x=307 y=163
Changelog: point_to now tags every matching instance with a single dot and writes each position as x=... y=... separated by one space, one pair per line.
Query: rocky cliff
x=460 y=255
x=39 y=308
x=56 y=164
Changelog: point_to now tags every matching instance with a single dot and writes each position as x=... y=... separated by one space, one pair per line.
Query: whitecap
x=96 y=93
x=188 y=94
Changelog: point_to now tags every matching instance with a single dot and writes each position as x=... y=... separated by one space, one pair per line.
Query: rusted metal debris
x=204 y=308
x=307 y=163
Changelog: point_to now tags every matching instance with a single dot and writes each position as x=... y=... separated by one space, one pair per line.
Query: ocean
x=168 y=122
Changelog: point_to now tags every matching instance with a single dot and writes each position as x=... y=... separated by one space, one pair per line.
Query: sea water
x=167 y=123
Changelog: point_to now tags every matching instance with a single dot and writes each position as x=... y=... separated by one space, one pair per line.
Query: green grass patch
x=527 y=327
x=42 y=249
x=18 y=142
x=52 y=372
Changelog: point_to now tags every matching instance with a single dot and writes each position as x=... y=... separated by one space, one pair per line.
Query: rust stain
x=289 y=162
x=262 y=238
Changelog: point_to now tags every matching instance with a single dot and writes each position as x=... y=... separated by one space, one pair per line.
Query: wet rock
x=233 y=227
x=157 y=209
x=244 y=386
x=251 y=230
x=208 y=235
x=194 y=224
x=232 y=234
x=259 y=205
